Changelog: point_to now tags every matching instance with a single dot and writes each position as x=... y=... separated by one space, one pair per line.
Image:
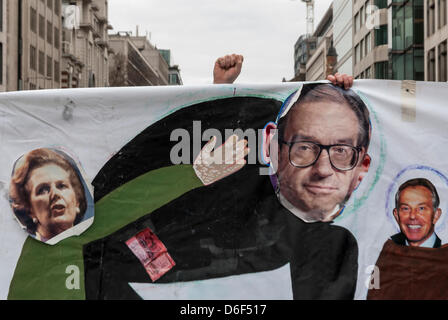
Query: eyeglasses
x=303 y=154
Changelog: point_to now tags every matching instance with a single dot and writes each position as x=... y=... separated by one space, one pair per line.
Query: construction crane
x=309 y=16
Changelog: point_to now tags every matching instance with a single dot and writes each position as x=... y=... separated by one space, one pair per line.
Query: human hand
x=341 y=80
x=227 y=68
x=211 y=166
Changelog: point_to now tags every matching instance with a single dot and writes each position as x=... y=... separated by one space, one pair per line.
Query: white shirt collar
x=307 y=217
x=429 y=243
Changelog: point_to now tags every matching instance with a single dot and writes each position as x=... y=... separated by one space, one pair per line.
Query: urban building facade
x=343 y=35
x=33 y=41
x=318 y=65
x=435 y=43
x=303 y=50
x=154 y=58
x=85 y=48
x=129 y=65
x=406 y=54
x=174 y=77
x=370 y=39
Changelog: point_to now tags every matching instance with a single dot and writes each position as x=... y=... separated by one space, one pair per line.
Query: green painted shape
x=41 y=270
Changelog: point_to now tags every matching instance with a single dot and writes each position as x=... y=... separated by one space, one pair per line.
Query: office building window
x=56 y=71
x=56 y=37
x=381 y=35
x=398 y=28
x=33 y=20
x=41 y=62
x=57 y=7
x=41 y=27
x=361 y=49
x=33 y=57
x=442 y=13
x=1 y=15
x=1 y=63
x=431 y=65
x=367 y=10
x=442 y=62
x=381 y=4
x=356 y=26
x=398 y=67
x=361 y=17
x=367 y=74
x=49 y=32
x=408 y=25
x=368 y=42
x=50 y=4
x=49 y=67
x=357 y=57
x=430 y=12
x=381 y=70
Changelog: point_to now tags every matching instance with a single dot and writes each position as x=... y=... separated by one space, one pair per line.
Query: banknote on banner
x=151 y=252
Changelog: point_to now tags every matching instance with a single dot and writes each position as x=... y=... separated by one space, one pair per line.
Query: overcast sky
x=199 y=31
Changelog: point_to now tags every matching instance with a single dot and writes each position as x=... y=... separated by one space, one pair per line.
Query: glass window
x=442 y=62
x=419 y=63
x=56 y=38
x=408 y=25
x=357 y=54
x=368 y=73
x=41 y=26
x=398 y=29
x=381 y=70
x=49 y=32
x=361 y=49
x=356 y=26
x=41 y=62
x=33 y=20
x=368 y=43
x=361 y=17
x=409 y=65
x=381 y=4
x=431 y=17
x=381 y=35
x=431 y=65
x=398 y=67
x=49 y=66
x=33 y=57
x=56 y=71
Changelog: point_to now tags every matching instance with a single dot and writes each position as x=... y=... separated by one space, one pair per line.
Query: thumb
x=209 y=146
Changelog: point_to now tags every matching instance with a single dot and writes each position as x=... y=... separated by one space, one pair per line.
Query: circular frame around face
x=22 y=215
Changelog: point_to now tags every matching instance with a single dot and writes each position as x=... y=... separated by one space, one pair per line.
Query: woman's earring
x=35 y=220
x=77 y=210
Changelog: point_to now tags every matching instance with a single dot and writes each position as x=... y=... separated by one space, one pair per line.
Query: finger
x=227 y=62
x=332 y=79
x=209 y=146
x=232 y=60
x=339 y=80
x=346 y=82
x=241 y=150
x=350 y=81
x=239 y=63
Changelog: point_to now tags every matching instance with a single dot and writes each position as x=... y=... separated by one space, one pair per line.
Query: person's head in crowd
x=417 y=210
x=46 y=193
x=322 y=149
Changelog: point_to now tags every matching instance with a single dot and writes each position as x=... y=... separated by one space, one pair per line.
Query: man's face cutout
x=416 y=215
x=319 y=189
